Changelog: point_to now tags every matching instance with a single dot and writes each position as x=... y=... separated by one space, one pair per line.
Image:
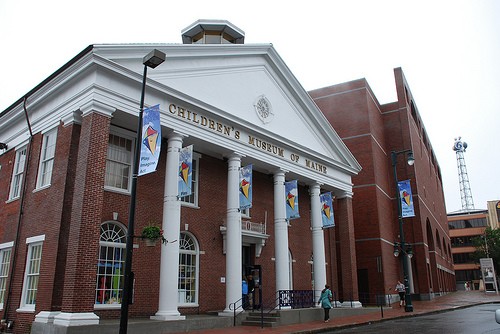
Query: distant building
x=494 y=214
x=464 y=226
x=372 y=131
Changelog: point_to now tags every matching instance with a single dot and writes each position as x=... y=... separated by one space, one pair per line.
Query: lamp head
x=396 y=249
x=154 y=58
x=410 y=159
x=409 y=251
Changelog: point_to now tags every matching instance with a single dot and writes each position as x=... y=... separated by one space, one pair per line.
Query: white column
x=233 y=234
x=280 y=233
x=318 y=241
x=169 y=270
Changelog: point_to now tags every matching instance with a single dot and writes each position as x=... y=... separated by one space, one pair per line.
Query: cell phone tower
x=465 y=191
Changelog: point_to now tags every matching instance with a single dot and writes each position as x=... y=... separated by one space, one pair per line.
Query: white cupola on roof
x=212 y=32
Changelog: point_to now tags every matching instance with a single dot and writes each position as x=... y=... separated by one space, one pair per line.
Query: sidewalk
x=454 y=300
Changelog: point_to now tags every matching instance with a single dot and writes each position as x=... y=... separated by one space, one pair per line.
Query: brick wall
x=371 y=131
x=204 y=224
x=86 y=217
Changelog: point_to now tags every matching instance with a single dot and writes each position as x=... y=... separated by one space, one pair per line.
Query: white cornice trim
x=73 y=117
x=95 y=106
x=342 y=195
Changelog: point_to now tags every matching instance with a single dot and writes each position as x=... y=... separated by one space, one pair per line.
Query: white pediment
x=238 y=91
x=232 y=79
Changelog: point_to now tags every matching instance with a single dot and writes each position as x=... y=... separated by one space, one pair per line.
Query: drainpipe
x=13 y=255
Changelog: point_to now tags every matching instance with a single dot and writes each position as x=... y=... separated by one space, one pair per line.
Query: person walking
x=325 y=299
x=251 y=288
x=244 y=293
x=400 y=288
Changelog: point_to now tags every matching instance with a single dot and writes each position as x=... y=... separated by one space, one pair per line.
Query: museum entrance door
x=255 y=271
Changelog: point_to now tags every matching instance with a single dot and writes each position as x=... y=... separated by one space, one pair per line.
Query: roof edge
x=49 y=78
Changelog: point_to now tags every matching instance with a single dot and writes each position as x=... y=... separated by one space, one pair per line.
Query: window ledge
x=107 y=306
x=13 y=199
x=117 y=190
x=26 y=309
x=189 y=305
x=41 y=188
x=189 y=205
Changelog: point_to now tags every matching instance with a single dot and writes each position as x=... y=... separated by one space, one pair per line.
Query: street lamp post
x=152 y=59
x=402 y=246
x=484 y=237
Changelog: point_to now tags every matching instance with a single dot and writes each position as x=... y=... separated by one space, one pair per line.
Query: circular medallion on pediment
x=263 y=109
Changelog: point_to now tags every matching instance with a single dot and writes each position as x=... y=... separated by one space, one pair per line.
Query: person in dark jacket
x=251 y=288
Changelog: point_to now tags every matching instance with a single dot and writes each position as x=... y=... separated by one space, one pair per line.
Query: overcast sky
x=449 y=52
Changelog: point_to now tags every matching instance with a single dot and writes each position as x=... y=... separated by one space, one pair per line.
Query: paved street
x=479 y=319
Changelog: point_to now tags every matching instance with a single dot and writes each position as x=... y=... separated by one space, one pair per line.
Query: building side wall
x=427 y=189
x=43 y=210
x=354 y=112
x=371 y=132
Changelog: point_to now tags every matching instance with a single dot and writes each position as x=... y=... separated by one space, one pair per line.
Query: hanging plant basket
x=151 y=234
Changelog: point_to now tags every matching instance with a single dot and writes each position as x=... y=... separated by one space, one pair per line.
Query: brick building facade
x=65 y=190
x=372 y=131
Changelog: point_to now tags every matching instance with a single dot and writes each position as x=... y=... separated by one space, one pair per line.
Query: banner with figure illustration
x=246 y=187
x=185 y=171
x=406 y=199
x=292 y=200
x=327 y=210
x=151 y=140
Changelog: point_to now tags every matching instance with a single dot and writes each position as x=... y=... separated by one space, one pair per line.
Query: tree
x=488 y=245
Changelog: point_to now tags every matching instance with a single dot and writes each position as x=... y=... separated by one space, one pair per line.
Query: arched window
x=109 y=284
x=188 y=269
x=438 y=242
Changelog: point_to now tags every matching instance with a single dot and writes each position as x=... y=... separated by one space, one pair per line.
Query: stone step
x=253 y=318
x=267 y=319
x=258 y=314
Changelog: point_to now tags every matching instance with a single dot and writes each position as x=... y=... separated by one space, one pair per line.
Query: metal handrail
x=276 y=304
x=236 y=308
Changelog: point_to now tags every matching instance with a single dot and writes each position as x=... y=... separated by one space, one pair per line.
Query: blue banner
x=185 y=171
x=327 y=210
x=151 y=140
x=292 y=200
x=246 y=187
x=406 y=199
